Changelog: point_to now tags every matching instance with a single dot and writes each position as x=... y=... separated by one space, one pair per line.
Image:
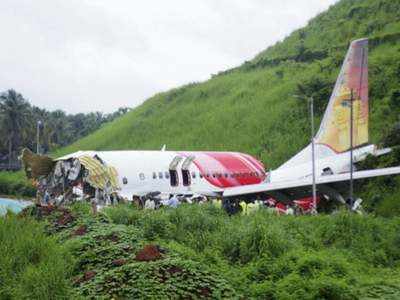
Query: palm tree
x=15 y=111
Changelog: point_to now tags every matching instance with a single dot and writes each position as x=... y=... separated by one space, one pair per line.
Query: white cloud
x=86 y=55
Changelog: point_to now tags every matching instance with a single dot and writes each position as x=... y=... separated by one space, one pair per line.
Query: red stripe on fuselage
x=228 y=169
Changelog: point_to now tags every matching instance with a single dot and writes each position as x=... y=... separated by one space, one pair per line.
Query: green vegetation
x=198 y=251
x=32 y=265
x=16 y=184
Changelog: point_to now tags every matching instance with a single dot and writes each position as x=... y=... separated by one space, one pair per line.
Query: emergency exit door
x=173 y=173
x=185 y=170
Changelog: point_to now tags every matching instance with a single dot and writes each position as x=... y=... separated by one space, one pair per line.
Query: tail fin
x=352 y=83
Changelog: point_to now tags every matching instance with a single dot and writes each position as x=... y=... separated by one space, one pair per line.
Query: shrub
x=123 y=214
x=194 y=224
x=155 y=225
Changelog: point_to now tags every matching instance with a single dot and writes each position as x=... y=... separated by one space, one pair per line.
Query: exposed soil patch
x=149 y=253
x=118 y=262
x=81 y=230
x=174 y=269
x=89 y=275
x=205 y=292
x=65 y=218
x=114 y=237
x=85 y=277
x=45 y=210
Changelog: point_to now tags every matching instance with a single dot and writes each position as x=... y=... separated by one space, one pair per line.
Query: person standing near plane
x=150 y=204
x=173 y=201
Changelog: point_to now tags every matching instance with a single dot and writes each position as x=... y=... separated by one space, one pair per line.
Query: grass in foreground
x=32 y=265
x=200 y=252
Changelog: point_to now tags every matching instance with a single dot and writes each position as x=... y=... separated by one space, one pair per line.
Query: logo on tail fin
x=352 y=84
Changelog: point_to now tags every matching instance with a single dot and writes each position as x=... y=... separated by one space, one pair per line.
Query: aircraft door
x=186 y=179
x=173 y=173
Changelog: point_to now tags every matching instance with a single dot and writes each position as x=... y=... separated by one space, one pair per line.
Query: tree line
x=20 y=122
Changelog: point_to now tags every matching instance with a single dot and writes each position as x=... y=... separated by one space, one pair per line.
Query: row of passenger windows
x=166 y=175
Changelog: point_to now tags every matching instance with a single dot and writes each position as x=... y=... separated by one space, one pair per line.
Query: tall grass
x=281 y=257
x=32 y=265
x=262 y=255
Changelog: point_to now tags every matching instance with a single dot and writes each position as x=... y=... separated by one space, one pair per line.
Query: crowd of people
x=154 y=201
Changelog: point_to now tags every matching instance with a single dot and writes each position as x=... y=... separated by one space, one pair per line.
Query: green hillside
x=251 y=108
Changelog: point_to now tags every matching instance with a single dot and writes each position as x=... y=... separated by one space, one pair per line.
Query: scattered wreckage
x=63 y=181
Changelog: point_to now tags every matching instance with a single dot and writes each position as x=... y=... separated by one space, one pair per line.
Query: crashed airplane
x=230 y=174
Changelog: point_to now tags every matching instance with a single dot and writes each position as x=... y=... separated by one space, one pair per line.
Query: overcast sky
x=81 y=55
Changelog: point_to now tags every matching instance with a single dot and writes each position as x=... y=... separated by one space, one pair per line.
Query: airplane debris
x=71 y=179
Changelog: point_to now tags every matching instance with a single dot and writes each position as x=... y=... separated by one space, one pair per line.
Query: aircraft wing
x=305 y=183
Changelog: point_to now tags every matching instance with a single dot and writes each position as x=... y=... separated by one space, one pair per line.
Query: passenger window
x=125 y=180
x=193 y=175
x=141 y=176
x=154 y=175
x=166 y=175
x=226 y=175
x=160 y=175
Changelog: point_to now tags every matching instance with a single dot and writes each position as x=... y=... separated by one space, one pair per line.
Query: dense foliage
x=198 y=251
x=18 y=126
x=32 y=265
x=16 y=184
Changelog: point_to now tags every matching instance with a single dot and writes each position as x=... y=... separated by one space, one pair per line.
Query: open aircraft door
x=173 y=173
x=186 y=179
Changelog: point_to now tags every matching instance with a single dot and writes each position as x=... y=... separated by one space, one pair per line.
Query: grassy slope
x=250 y=108
x=208 y=253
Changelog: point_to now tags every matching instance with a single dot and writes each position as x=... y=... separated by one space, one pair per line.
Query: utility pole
x=38 y=127
x=314 y=185
x=351 y=149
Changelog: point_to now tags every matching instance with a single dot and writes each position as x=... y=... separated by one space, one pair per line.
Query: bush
x=155 y=225
x=193 y=224
x=123 y=214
